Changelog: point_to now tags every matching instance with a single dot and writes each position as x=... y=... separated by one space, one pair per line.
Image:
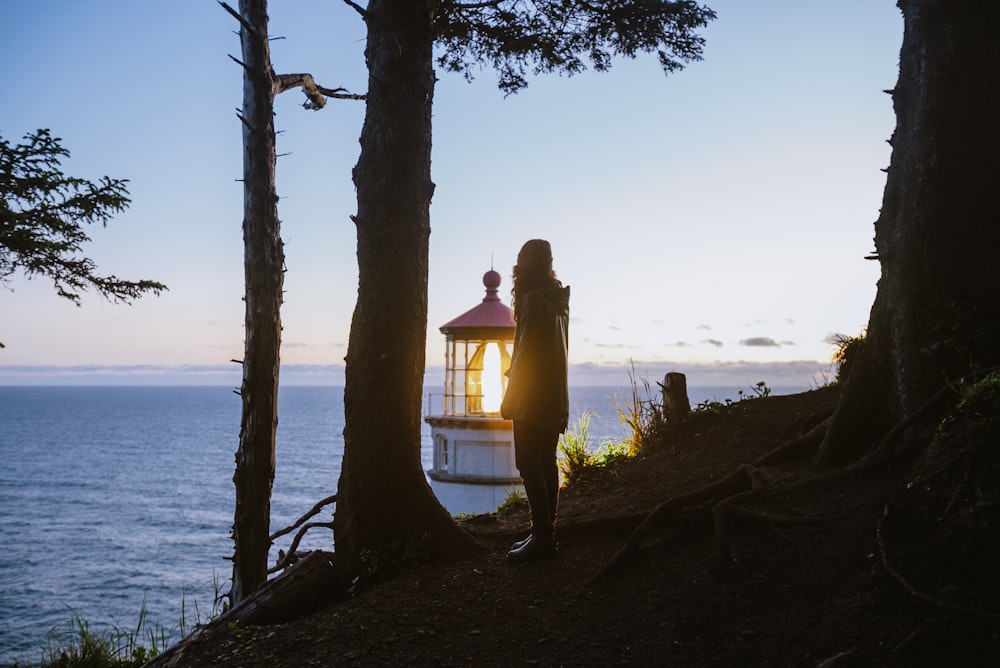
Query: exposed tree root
x=737 y=482
x=746 y=482
x=722 y=496
x=888 y=449
x=913 y=591
x=728 y=495
x=798 y=449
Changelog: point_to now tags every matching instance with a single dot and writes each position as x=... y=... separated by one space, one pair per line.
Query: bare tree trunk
x=263 y=263
x=384 y=503
x=936 y=316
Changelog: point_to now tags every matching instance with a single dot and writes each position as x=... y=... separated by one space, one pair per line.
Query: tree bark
x=263 y=263
x=936 y=313
x=384 y=503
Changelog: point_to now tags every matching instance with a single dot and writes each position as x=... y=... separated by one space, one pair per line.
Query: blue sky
x=713 y=222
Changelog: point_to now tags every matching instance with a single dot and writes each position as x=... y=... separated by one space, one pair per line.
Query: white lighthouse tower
x=473 y=469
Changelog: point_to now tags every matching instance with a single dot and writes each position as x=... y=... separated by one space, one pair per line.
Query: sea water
x=112 y=498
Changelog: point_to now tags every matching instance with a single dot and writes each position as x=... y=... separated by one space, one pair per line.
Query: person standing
x=537 y=396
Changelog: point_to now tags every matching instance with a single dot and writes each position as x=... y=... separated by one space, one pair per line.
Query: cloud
x=713 y=342
x=705 y=327
x=760 y=342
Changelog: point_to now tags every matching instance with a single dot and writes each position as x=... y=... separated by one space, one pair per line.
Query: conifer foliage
x=43 y=213
x=520 y=37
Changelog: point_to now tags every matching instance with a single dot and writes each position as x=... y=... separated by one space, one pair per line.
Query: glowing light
x=492 y=380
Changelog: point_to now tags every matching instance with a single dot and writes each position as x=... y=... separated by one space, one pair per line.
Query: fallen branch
x=299 y=522
x=286 y=559
x=312 y=580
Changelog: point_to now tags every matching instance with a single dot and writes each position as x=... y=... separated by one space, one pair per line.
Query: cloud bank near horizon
x=801 y=374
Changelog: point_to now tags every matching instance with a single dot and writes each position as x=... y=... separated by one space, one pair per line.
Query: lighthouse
x=473 y=467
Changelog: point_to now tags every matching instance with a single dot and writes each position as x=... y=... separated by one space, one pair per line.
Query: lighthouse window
x=442 y=453
x=484 y=379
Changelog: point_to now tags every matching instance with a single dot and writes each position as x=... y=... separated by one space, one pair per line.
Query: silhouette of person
x=537 y=396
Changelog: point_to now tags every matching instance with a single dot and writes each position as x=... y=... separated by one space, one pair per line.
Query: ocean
x=112 y=498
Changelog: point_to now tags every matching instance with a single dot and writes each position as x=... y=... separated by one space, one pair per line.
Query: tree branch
x=315 y=93
x=358 y=8
x=315 y=509
x=341 y=94
x=238 y=61
x=288 y=558
x=245 y=122
x=283 y=82
x=236 y=15
x=461 y=6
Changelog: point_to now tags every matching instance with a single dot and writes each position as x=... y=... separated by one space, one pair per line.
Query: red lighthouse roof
x=491 y=318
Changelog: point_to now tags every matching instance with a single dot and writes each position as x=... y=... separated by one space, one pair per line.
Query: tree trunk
x=263 y=263
x=936 y=313
x=384 y=504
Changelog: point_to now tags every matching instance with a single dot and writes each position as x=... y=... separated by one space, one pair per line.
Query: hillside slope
x=789 y=575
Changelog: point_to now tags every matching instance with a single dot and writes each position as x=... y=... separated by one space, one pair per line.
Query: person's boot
x=518 y=543
x=538 y=545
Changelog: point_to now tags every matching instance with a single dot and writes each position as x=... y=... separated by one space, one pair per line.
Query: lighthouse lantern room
x=473 y=467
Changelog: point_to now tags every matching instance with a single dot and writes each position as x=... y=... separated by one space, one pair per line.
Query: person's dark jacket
x=538 y=389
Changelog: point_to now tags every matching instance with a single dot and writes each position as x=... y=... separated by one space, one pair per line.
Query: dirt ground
x=803 y=587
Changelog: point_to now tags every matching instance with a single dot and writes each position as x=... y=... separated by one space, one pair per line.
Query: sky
x=712 y=222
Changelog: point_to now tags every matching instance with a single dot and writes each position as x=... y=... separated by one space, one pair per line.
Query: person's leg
x=529 y=456
x=534 y=452
x=550 y=470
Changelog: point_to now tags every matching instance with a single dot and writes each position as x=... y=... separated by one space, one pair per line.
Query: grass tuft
x=79 y=646
x=515 y=501
x=577 y=452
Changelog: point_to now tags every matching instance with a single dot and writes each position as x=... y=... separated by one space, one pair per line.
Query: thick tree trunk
x=384 y=503
x=263 y=266
x=936 y=313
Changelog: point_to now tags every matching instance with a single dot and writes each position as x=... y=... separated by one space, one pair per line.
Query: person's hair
x=533 y=270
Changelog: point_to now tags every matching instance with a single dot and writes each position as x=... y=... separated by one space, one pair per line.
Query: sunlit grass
x=577 y=452
x=514 y=501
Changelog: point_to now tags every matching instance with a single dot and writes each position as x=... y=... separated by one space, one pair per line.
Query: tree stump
x=676 y=406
